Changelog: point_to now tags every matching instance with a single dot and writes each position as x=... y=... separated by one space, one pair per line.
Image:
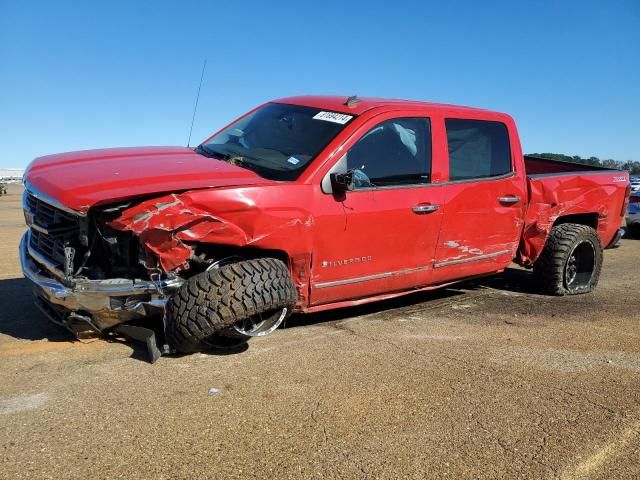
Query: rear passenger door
x=484 y=200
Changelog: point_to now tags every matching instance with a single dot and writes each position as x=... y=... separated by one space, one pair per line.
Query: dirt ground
x=485 y=380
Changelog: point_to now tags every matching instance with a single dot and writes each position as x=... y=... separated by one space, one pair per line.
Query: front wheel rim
x=261 y=324
x=580 y=266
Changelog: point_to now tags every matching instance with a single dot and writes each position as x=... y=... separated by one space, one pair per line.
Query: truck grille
x=52 y=229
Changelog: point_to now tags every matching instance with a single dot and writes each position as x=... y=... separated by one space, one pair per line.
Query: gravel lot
x=486 y=380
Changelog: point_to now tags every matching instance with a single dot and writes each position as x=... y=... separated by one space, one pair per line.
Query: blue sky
x=78 y=75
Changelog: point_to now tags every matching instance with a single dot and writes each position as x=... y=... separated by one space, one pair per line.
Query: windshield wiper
x=236 y=158
x=258 y=162
x=232 y=158
x=207 y=152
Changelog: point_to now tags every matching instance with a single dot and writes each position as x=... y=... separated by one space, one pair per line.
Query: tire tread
x=549 y=267
x=213 y=301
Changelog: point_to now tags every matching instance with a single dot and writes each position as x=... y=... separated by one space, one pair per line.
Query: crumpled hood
x=82 y=179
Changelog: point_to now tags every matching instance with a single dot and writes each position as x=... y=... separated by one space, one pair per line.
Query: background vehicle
x=306 y=204
x=7 y=180
x=635 y=184
x=633 y=214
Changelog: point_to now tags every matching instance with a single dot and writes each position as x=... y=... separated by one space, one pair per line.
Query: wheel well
x=216 y=252
x=588 y=219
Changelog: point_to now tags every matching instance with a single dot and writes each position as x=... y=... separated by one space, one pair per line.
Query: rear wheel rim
x=580 y=266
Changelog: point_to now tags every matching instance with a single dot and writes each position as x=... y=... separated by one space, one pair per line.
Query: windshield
x=276 y=141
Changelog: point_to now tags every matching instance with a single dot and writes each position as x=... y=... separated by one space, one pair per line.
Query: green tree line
x=633 y=167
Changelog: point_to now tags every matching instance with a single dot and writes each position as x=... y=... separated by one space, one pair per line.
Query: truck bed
x=536 y=166
x=581 y=193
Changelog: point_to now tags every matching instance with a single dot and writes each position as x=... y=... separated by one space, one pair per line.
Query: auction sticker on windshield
x=340 y=118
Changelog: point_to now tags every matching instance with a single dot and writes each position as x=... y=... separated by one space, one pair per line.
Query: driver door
x=381 y=236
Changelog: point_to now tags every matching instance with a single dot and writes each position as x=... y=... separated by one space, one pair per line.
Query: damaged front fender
x=163 y=224
x=172 y=225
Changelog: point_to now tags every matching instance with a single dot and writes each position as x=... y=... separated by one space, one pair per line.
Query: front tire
x=218 y=307
x=571 y=260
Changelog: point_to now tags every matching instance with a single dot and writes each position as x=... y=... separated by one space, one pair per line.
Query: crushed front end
x=88 y=277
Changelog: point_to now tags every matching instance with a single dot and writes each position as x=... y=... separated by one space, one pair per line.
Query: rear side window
x=477 y=149
x=394 y=152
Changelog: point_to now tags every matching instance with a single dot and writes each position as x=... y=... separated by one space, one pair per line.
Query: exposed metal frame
x=113 y=286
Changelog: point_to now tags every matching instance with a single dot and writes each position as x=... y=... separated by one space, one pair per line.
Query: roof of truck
x=339 y=103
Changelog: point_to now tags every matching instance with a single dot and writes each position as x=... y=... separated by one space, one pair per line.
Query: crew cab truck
x=305 y=204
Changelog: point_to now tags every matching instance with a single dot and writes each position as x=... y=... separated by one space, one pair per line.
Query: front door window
x=394 y=152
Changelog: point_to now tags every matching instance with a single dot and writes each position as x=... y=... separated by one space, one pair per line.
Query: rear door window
x=477 y=149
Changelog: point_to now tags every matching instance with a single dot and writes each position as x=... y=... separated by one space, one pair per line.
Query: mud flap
x=145 y=335
x=615 y=243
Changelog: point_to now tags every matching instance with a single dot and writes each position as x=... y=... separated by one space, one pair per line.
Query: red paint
x=190 y=199
x=563 y=195
x=83 y=179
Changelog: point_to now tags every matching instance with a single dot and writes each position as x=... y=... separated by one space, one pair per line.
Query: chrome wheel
x=240 y=332
x=261 y=324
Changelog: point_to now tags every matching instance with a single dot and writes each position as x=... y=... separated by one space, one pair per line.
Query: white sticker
x=334 y=117
x=293 y=160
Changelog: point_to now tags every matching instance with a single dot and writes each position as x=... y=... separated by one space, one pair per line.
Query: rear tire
x=571 y=260
x=208 y=308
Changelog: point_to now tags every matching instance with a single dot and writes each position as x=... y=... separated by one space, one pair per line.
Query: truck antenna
x=352 y=100
x=195 y=108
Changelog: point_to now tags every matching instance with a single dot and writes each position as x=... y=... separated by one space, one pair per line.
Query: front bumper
x=98 y=305
x=633 y=218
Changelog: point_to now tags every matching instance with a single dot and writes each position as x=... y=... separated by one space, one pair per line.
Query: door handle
x=509 y=199
x=420 y=209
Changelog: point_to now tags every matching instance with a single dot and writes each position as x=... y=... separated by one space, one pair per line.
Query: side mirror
x=342 y=182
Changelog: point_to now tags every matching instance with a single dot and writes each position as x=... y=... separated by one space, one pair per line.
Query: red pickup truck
x=305 y=204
